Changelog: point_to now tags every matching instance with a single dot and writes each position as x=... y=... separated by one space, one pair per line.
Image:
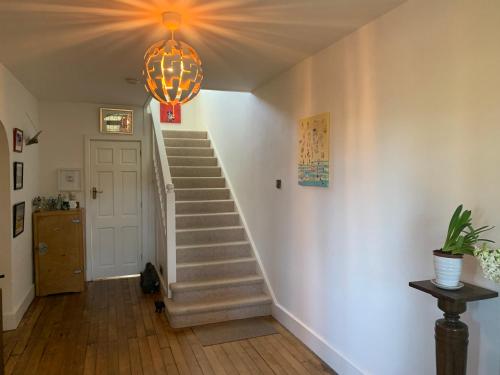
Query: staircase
x=218 y=278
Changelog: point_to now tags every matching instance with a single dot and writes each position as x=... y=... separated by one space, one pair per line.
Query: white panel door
x=115 y=208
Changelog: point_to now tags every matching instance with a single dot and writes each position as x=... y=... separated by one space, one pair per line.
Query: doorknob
x=95 y=192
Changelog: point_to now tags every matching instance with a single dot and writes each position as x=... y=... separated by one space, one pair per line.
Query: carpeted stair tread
x=206 y=200
x=194 y=134
x=216 y=262
x=216 y=283
x=178 y=308
x=207 y=214
x=208 y=229
x=209 y=245
x=189 y=151
x=202 y=188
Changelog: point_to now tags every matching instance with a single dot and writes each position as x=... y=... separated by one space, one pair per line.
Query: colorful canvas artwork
x=314 y=146
x=170 y=113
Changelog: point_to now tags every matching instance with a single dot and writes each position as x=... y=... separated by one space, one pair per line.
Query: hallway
x=112 y=329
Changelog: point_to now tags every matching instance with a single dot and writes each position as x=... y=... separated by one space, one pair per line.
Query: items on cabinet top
x=61 y=202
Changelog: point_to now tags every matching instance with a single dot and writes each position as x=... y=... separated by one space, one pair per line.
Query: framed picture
x=314 y=151
x=18 y=175
x=69 y=180
x=117 y=121
x=18 y=218
x=18 y=140
x=170 y=113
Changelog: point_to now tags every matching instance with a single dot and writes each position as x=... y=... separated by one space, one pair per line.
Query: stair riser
x=203 y=152
x=174 y=161
x=210 y=236
x=203 y=207
x=218 y=293
x=207 y=254
x=189 y=320
x=201 y=195
x=206 y=272
x=184 y=134
x=212 y=221
x=173 y=142
x=198 y=183
x=195 y=172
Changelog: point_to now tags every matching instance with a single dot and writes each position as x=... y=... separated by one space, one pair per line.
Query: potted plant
x=462 y=239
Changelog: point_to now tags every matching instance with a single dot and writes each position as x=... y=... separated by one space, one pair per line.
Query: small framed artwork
x=18 y=218
x=18 y=175
x=117 y=121
x=69 y=180
x=170 y=114
x=18 y=140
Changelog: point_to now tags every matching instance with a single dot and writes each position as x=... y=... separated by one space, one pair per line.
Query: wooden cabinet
x=59 y=251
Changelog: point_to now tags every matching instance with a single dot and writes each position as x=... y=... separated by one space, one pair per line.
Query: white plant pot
x=448 y=269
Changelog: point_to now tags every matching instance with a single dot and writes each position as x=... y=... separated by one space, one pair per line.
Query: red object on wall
x=170 y=113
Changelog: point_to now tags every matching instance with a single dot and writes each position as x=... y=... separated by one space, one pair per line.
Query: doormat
x=235 y=330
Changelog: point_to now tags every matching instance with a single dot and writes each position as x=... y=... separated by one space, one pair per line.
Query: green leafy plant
x=462 y=237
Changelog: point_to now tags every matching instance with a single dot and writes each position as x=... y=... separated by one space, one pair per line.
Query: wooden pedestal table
x=451 y=334
x=1 y=330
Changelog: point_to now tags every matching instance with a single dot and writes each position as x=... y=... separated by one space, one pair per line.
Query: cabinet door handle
x=43 y=248
x=77 y=271
x=75 y=221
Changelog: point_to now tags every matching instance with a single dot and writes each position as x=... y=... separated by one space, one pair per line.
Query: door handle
x=95 y=192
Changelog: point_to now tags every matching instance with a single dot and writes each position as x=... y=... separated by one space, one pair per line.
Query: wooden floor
x=112 y=329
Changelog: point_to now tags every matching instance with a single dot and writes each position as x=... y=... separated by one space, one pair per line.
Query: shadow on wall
x=5 y=223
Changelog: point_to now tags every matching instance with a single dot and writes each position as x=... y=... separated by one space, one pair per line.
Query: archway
x=5 y=219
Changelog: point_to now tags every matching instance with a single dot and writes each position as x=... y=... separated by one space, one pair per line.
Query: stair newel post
x=171 y=238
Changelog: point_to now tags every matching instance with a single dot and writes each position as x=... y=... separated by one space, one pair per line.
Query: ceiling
x=83 y=50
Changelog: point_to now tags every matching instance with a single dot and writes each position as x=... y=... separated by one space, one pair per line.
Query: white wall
x=5 y=221
x=415 y=129
x=17 y=107
x=66 y=127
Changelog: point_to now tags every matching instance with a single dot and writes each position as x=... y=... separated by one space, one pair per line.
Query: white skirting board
x=315 y=342
x=12 y=320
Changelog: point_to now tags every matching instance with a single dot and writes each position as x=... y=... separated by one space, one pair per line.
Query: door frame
x=89 y=272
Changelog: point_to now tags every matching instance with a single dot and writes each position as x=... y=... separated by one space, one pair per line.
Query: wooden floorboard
x=112 y=328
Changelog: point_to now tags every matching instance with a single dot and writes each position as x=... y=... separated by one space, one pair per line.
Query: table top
x=467 y=294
